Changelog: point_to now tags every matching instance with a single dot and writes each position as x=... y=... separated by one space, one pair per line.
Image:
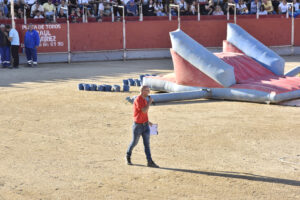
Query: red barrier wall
x=155 y=34
x=271 y=32
x=297 y=32
x=208 y=33
x=96 y=36
x=149 y=34
x=53 y=37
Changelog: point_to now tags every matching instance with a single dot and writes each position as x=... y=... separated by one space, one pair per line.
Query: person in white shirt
x=254 y=7
x=283 y=7
x=64 y=6
x=36 y=8
x=242 y=8
x=158 y=8
x=14 y=39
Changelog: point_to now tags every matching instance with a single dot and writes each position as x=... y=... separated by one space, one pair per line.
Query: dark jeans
x=137 y=131
x=5 y=55
x=15 y=55
x=31 y=54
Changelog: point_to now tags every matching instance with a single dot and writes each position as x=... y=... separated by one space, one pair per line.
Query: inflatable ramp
x=246 y=70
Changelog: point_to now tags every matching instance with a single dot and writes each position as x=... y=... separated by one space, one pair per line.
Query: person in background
x=49 y=9
x=268 y=6
x=38 y=15
x=242 y=8
x=253 y=6
x=31 y=42
x=37 y=7
x=14 y=39
x=4 y=47
x=218 y=10
x=131 y=8
x=283 y=7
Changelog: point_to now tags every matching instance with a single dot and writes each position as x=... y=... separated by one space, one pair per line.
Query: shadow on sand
x=235 y=175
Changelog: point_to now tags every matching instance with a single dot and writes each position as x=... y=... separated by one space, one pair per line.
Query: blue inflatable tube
x=255 y=49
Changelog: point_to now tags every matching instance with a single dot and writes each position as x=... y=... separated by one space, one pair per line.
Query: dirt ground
x=60 y=143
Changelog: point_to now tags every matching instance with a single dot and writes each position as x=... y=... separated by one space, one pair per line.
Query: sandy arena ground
x=60 y=143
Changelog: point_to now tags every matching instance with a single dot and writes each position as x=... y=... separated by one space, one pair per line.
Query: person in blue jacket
x=31 y=41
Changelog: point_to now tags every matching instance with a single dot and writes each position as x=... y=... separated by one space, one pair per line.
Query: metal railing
x=257 y=10
x=228 y=15
x=198 y=10
x=84 y=15
x=141 y=12
x=124 y=31
x=292 y=23
x=25 y=16
x=170 y=14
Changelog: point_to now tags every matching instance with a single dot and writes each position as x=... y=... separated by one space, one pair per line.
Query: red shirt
x=138 y=115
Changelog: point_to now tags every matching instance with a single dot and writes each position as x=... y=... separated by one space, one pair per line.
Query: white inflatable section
x=255 y=49
x=202 y=59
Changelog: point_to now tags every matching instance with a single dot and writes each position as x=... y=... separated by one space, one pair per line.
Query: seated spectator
x=2 y=16
x=17 y=4
x=107 y=9
x=49 y=10
x=131 y=8
x=210 y=7
x=262 y=10
x=63 y=6
x=296 y=6
x=38 y=15
x=268 y=6
x=94 y=7
x=20 y=14
x=4 y=9
x=193 y=8
x=61 y=14
x=159 y=8
x=218 y=11
x=242 y=8
x=202 y=3
x=78 y=12
x=74 y=16
x=84 y=7
x=149 y=8
x=283 y=7
x=72 y=4
x=56 y=2
x=100 y=9
x=275 y=4
x=183 y=6
x=253 y=6
x=37 y=7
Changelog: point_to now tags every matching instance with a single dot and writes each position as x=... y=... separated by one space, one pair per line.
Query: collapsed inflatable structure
x=246 y=70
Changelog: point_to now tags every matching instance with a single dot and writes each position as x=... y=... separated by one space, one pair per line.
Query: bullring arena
x=61 y=143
